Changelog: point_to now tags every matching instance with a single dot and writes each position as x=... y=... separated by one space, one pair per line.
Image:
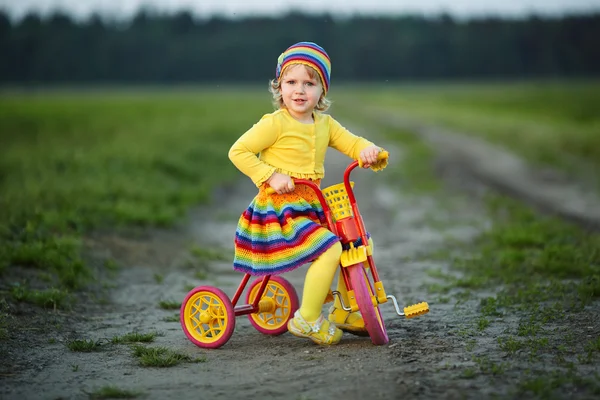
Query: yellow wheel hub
x=273 y=308
x=266 y=305
x=205 y=317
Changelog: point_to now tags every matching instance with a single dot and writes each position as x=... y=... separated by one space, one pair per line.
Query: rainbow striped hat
x=307 y=53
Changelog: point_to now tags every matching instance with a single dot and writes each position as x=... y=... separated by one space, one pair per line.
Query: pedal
x=353 y=255
x=416 y=309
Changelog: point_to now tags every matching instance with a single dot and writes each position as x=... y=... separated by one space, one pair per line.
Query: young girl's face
x=300 y=91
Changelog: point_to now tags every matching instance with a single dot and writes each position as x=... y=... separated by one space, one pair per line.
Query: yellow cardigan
x=280 y=143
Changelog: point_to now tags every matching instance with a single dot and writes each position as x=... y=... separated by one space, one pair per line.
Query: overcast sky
x=236 y=8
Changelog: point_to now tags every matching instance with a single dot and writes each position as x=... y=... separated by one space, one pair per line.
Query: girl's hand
x=369 y=156
x=281 y=183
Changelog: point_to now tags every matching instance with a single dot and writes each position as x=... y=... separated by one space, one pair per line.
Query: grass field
x=75 y=161
x=550 y=123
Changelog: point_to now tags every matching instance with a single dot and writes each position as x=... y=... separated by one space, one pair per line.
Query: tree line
x=152 y=47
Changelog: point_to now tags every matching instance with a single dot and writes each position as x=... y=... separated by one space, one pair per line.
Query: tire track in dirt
x=549 y=190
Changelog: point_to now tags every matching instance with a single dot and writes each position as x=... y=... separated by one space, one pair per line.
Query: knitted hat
x=307 y=53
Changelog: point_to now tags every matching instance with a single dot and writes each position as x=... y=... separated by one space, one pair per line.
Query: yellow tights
x=318 y=281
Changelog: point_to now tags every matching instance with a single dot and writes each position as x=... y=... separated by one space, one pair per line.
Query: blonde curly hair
x=275 y=88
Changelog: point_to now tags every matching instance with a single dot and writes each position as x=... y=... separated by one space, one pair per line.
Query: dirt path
x=421 y=361
x=548 y=189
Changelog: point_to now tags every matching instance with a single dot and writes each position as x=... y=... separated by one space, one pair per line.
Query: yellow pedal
x=416 y=309
x=353 y=255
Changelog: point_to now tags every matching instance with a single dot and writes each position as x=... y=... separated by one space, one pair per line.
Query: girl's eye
x=310 y=83
x=291 y=82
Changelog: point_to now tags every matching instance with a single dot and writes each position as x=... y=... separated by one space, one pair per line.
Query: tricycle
x=207 y=314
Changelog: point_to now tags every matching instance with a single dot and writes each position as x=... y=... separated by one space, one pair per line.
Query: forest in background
x=153 y=47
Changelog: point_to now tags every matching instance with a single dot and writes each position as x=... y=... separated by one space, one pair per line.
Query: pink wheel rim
x=371 y=315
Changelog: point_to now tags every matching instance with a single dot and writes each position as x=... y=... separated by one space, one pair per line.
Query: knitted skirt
x=281 y=232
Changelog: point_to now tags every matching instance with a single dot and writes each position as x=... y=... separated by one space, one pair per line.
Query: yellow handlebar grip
x=270 y=190
x=383 y=155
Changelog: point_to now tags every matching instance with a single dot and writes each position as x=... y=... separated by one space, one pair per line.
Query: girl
x=283 y=231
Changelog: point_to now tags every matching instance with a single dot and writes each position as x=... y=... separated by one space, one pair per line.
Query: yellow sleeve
x=344 y=141
x=244 y=152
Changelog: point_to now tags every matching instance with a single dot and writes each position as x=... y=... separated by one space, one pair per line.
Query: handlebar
x=380 y=164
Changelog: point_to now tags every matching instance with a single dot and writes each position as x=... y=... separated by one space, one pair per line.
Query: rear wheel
x=371 y=313
x=277 y=305
x=207 y=317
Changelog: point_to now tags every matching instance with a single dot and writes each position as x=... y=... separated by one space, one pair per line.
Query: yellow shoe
x=348 y=322
x=321 y=331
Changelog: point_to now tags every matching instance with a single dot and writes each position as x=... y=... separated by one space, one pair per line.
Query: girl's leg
x=308 y=321
x=318 y=281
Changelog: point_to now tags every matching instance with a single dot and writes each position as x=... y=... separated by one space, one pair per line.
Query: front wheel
x=371 y=313
x=277 y=305
x=207 y=317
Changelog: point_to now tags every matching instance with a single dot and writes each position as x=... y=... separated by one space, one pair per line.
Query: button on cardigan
x=280 y=143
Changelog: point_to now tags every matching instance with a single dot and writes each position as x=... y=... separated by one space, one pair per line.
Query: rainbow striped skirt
x=281 y=232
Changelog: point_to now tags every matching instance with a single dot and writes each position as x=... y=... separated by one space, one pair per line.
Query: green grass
x=169 y=305
x=200 y=259
x=202 y=254
x=84 y=345
x=72 y=162
x=113 y=392
x=551 y=123
x=135 y=337
x=411 y=166
x=172 y=318
x=89 y=345
x=525 y=246
x=159 y=278
x=161 y=357
x=544 y=272
x=46 y=298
